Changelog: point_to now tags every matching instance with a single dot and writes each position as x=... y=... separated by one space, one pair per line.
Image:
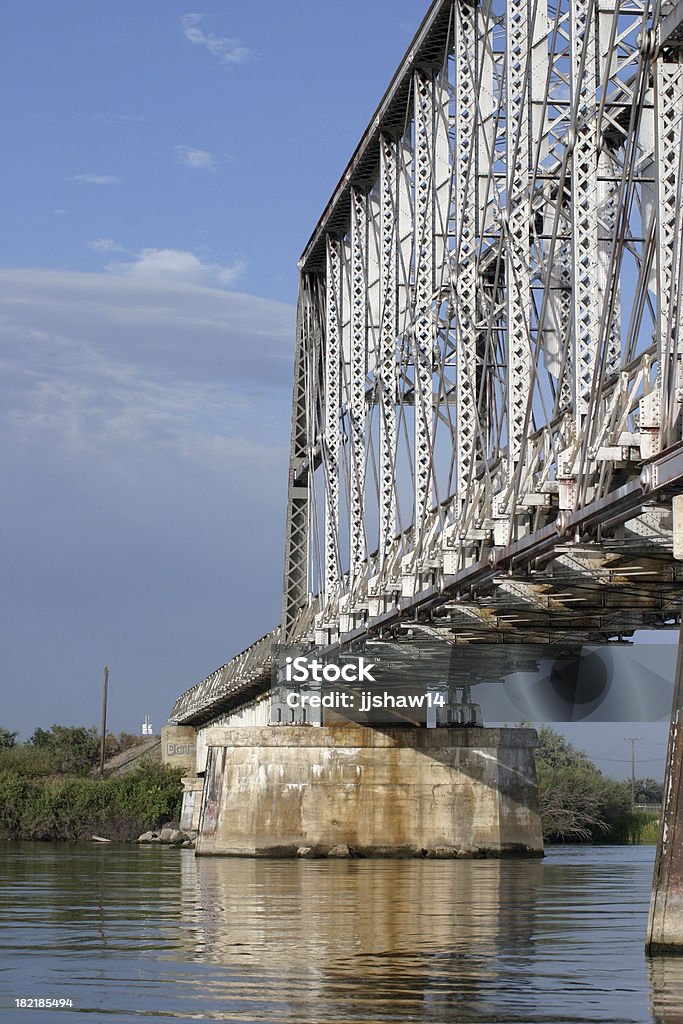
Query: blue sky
x=219 y=131
x=164 y=166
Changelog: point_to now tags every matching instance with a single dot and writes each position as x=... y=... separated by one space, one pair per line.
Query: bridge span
x=487 y=428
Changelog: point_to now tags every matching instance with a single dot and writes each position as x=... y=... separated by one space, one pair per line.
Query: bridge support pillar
x=389 y=792
x=179 y=750
x=665 y=925
x=192 y=802
x=179 y=746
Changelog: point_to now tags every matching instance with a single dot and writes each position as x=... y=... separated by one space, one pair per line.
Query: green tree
x=577 y=802
x=71 y=748
x=7 y=738
x=649 y=791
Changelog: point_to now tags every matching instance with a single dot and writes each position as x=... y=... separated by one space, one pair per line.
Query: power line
x=626 y=760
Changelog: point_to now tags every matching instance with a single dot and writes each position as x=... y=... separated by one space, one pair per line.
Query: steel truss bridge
x=488 y=385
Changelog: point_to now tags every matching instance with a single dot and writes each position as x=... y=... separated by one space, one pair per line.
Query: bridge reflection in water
x=472 y=941
x=155 y=933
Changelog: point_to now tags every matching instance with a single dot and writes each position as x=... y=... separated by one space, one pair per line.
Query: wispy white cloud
x=198 y=159
x=105 y=245
x=115 y=120
x=102 y=365
x=96 y=179
x=59 y=212
x=144 y=430
x=227 y=49
x=179 y=265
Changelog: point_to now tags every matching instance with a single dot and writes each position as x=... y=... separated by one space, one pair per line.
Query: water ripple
x=134 y=932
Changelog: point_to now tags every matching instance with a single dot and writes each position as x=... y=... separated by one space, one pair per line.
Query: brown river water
x=146 y=934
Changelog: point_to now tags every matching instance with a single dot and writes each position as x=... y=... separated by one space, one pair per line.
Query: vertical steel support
x=388 y=332
x=423 y=325
x=564 y=307
x=665 y=924
x=608 y=204
x=332 y=412
x=584 y=196
x=358 y=376
x=466 y=171
x=552 y=104
x=295 y=584
x=668 y=157
x=442 y=179
x=518 y=282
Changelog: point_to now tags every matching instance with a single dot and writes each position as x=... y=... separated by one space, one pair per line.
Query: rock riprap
x=169 y=837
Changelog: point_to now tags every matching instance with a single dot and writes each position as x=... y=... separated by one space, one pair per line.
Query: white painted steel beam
x=490 y=332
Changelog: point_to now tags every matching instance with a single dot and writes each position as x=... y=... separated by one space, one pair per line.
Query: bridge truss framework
x=488 y=389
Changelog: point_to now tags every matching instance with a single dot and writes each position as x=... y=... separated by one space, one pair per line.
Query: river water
x=146 y=933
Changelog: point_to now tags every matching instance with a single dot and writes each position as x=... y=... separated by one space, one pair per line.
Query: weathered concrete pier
x=275 y=790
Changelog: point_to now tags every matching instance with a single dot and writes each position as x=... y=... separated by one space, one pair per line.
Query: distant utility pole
x=633 y=740
x=104 y=719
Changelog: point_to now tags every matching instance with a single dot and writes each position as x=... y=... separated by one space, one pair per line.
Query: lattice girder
x=498 y=290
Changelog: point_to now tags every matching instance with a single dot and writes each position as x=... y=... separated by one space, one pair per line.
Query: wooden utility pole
x=633 y=740
x=104 y=719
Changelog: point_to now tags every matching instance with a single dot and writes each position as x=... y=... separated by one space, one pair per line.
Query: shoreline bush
x=47 y=791
x=73 y=807
x=579 y=804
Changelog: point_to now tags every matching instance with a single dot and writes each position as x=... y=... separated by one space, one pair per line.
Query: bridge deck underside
x=581 y=592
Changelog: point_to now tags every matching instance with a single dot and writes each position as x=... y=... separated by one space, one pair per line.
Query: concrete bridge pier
x=383 y=792
x=179 y=750
x=665 y=925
